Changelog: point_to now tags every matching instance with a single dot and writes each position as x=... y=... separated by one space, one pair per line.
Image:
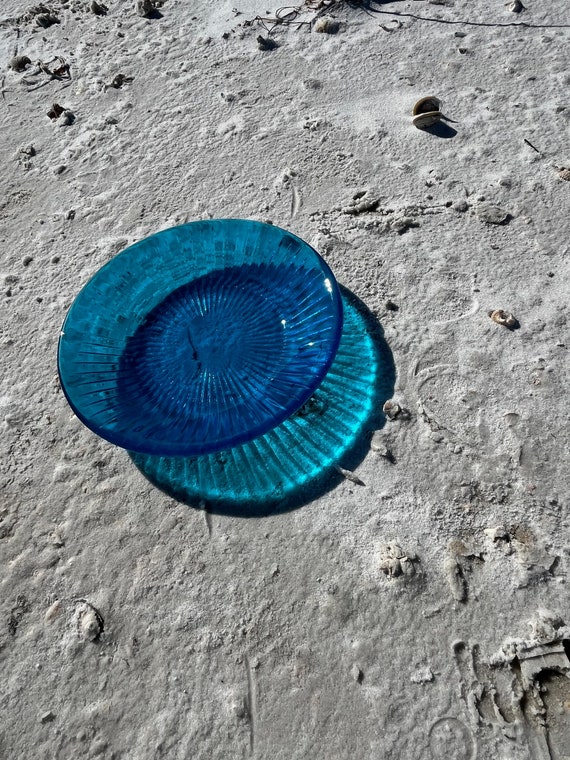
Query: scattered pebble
x=266 y=43
x=66 y=119
x=393 y=411
x=46 y=20
x=55 y=111
x=144 y=7
x=493 y=214
x=357 y=674
x=326 y=25
x=422 y=675
x=504 y=318
x=404 y=224
x=27 y=260
x=47 y=717
x=396 y=563
x=119 y=80
x=19 y=63
x=98 y=8
x=53 y=611
x=516 y=6
x=391 y=306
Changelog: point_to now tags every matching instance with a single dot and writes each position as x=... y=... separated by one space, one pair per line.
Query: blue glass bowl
x=200 y=338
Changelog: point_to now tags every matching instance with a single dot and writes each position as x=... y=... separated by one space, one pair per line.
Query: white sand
x=287 y=636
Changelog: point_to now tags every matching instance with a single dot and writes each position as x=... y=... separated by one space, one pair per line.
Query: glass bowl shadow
x=295 y=462
x=200 y=337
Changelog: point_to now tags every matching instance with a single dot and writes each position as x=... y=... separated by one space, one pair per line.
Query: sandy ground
x=421 y=615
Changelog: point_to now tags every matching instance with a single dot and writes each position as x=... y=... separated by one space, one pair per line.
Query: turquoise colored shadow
x=295 y=462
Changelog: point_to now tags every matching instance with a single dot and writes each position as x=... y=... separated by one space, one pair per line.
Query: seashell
x=19 y=62
x=90 y=624
x=564 y=174
x=426 y=112
x=504 y=318
x=516 y=6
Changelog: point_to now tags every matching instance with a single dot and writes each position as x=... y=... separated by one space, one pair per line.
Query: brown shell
x=428 y=119
x=426 y=105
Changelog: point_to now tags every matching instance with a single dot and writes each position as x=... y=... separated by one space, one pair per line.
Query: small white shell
x=89 y=622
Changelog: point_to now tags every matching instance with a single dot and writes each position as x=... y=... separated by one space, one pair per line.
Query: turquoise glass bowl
x=200 y=338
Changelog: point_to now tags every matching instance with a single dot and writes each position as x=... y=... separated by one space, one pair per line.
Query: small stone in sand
x=55 y=111
x=47 y=717
x=266 y=43
x=144 y=7
x=19 y=63
x=98 y=8
x=326 y=26
x=46 y=20
x=493 y=215
x=393 y=411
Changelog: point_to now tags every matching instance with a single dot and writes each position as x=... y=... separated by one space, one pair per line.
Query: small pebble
x=564 y=174
x=422 y=675
x=47 y=717
x=357 y=674
x=55 y=111
x=52 y=612
x=493 y=214
x=393 y=411
x=516 y=6
x=27 y=260
x=144 y=7
x=266 y=43
x=98 y=8
x=391 y=306
x=46 y=20
x=19 y=62
x=325 y=25
x=66 y=119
